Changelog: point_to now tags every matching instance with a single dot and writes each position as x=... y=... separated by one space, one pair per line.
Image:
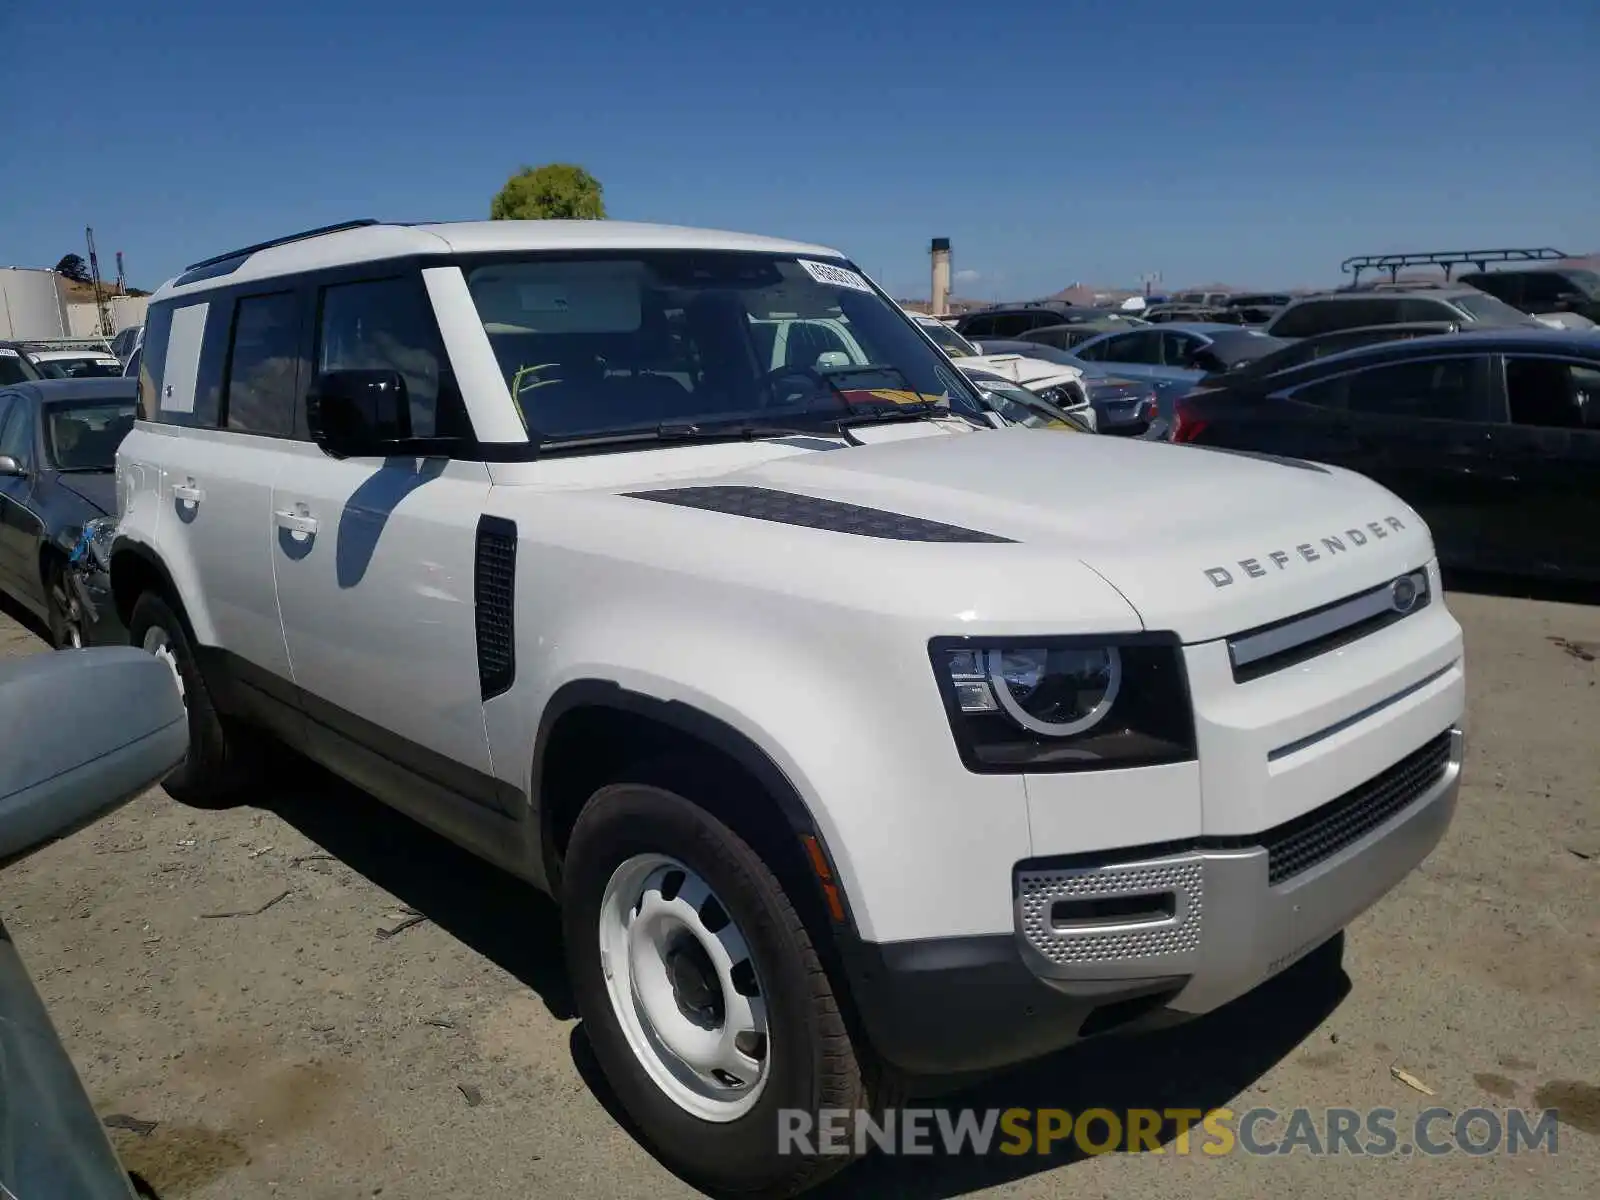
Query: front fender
x=843 y=706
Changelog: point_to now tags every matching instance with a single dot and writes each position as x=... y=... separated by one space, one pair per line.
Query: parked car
x=58 y=445
x=1176 y=355
x=533 y=551
x=1122 y=406
x=1065 y=337
x=1009 y=322
x=85 y=733
x=126 y=342
x=1017 y=405
x=76 y=364
x=1493 y=436
x=1378 y=305
x=15 y=365
x=1305 y=350
x=1543 y=291
x=1059 y=383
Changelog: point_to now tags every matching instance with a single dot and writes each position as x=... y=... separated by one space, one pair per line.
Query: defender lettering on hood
x=1331 y=545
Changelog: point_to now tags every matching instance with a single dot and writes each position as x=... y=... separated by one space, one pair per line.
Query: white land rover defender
x=859 y=742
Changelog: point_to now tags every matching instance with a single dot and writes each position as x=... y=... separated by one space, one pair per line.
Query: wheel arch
x=136 y=569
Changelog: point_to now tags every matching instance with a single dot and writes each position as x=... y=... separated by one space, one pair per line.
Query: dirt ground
x=299 y=1051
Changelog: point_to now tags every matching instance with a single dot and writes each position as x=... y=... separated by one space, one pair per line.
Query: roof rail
x=1394 y=263
x=281 y=241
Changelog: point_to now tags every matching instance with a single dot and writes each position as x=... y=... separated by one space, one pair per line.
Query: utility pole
x=102 y=309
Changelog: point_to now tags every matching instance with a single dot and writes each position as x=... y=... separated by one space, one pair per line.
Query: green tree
x=553 y=192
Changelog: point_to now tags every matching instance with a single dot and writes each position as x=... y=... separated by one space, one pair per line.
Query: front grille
x=1301 y=844
x=1276 y=647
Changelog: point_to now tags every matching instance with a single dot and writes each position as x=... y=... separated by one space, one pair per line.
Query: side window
x=1329 y=393
x=1438 y=389
x=1177 y=349
x=152 y=356
x=262 y=365
x=1419 y=308
x=1301 y=321
x=1551 y=394
x=1506 y=285
x=1542 y=291
x=16 y=439
x=1008 y=325
x=388 y=325
x=1142 y=348
x=978 y=327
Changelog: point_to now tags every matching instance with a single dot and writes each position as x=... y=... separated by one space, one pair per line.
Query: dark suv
x=1543 y=289
x=1333 y=311
x=1015 y=320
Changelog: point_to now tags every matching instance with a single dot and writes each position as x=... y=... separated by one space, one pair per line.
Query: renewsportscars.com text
x=1377 y=1132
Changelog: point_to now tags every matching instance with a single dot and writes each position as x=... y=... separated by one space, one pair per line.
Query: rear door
x=1425 y=429
x=1551 y=449
x=199 y=467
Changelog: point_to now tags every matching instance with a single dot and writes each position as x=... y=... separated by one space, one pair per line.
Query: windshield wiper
x=748 y=431
x=99 y=470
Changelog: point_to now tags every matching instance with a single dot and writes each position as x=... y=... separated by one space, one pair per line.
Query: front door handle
x=295 y=522
x=188 y=492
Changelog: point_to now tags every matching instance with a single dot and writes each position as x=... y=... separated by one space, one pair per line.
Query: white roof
x=371 y=243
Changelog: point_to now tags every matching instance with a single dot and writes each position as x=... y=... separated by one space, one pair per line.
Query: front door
x=1426 y=429
x=20 y=523
x=1552 y=451
x=374 y=561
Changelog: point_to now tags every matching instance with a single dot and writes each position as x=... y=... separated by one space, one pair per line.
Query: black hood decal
x=787 y=508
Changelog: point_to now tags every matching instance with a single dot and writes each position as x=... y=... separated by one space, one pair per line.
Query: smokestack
x=941 y=276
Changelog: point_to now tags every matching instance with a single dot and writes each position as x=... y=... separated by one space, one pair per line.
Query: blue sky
x=1252 y=143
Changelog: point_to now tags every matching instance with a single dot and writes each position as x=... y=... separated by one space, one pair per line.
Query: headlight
x=1065 y=395
x=1066 y=704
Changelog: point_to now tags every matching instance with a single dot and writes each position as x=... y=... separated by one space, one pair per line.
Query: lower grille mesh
x=1301 y=844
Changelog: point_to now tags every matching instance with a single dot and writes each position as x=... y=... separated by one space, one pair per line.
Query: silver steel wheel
x=158 y=643
x=684 y=988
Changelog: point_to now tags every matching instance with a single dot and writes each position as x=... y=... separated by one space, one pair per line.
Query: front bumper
x=1153 y=937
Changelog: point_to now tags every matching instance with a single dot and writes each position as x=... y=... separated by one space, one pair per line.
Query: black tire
x=63 y=613
x=215 y=770
x=814 y=1064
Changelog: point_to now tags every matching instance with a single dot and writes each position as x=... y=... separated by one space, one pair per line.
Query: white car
x=858 y=741
x=76 y=364
x=1057 y=383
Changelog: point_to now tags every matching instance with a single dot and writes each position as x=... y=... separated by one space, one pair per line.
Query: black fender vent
x=494 y=601
x=787 y=508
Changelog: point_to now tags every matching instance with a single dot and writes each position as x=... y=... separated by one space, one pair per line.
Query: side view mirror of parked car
x=349 y=412
x=10 y=466
x=86 y=731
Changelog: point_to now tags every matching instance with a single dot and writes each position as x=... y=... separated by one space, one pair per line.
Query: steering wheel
x=770 y=380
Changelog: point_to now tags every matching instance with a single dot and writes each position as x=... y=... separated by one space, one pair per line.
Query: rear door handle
x=295 y=522
x=188 y=492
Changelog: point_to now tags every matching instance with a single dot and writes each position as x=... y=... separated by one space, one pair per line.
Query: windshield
x=1589 y=281
x=88 y=367
x=14 y=368
x=1485 y=307
x=947 y=339
x=85 y=436
x=618 y=343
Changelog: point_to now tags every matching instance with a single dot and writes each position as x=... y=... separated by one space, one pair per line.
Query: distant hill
x=83 y=293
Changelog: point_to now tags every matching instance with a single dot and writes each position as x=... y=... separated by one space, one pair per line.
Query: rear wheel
x=213 y=772
x=701 y=993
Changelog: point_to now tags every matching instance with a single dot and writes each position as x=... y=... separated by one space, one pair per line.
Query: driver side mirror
x=10 y=466
x=352 y=413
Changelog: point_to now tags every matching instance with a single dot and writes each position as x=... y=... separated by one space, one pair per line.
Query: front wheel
x=64 y=610
x=701 y=993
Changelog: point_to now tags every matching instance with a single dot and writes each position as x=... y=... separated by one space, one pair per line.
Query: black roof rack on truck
x=1447 y=259
x=232 y=260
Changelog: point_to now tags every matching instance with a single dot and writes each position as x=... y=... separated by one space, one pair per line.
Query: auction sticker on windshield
x=835 y=275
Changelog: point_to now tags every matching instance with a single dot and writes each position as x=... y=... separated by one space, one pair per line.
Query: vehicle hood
x=1202 y=542
x=1020 y=369
x=98 y=490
